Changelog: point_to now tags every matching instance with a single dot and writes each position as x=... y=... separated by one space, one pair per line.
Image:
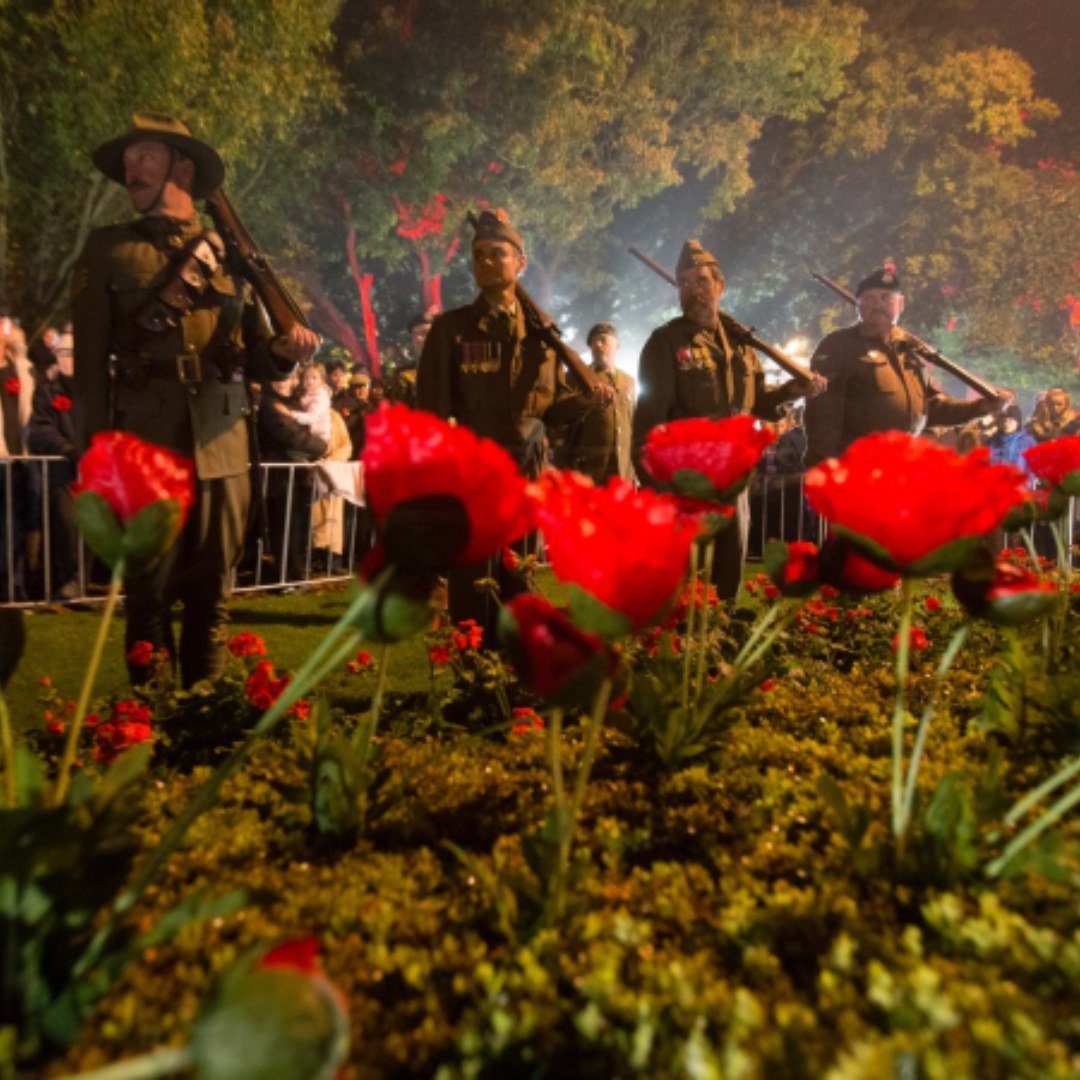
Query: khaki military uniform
x=688 y=371
x=875 y=385
x=182 y=389
x=482 y=367
x=602 y=439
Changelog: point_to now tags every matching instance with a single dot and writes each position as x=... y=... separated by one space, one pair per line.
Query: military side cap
x=885 y=278
x=157 y=127
x=360 y=378
x=693 y=254
x=495 y=225
x=598 y=329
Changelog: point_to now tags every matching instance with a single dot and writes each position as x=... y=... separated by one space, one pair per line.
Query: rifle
x=249 y=260
x=544 y=326
x=743 y=335
x=922 y=348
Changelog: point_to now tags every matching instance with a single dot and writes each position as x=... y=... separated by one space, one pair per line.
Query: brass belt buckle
x=189 y=368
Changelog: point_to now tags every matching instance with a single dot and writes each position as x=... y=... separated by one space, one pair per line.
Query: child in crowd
x=314 y=401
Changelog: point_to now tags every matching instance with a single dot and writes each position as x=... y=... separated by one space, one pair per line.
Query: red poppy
x=793 y=568
x=13 y=386
x=706 y=459
x=141 y=653
x=911 y=504
x=1040 y=504
x=622 y=551
x=554 y=658
x=441 y=495
x=130 y=474
x=1057 y=462
x=61 y=403
x=1002 y=592
x=846 y=570
x=246 y=643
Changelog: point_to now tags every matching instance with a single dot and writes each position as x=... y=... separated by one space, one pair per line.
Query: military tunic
x=688 y=370
x=875 y=385
x=602 y=438
x=182 y=389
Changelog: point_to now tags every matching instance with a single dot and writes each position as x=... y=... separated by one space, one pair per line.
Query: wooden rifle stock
x=922 y=348
x=249 y=260
x=543 y=324
x=733 y=328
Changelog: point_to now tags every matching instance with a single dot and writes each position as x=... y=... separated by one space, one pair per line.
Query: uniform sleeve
x=91 y=317
x=433 y=373
x=656 y=395
x=768 y=400
x=825 y=413
x=263 y=364
x=945 y=411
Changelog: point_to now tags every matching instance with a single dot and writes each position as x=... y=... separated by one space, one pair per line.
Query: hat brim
x=108 y=158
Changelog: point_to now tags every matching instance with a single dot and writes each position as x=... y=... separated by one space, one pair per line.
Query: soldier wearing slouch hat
x=690 y=368
x=165 y=335
x=877 y=381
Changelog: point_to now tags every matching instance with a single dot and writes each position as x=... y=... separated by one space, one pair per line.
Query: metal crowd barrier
x=281 y=552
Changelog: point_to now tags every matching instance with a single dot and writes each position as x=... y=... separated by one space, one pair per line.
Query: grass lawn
x=59 y=643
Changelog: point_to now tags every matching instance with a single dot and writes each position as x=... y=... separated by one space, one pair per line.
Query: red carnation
x=441 y=495
x=625 y=548
x=706 y=459
x=246 y=644
x=12 y=386
x=1057 y=463
x=130 y=474
x=61 y=403
x=553 y=657
x=912 y=504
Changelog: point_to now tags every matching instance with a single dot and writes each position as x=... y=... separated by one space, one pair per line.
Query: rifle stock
x=922 y=348
x=250 y=261
x=733 y=328
x=544 y=325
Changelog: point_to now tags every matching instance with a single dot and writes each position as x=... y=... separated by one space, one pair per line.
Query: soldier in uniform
x=602 y=437
x=691 y=368
x=486 y=366
x=876 y=380
x=164 y=337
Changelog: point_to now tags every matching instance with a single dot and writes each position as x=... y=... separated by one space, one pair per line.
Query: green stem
x=164 y=1062
x=703 y=633
x=786 y=614
x=690 y=608
x=943 y=667
x=1034 y=831
x=1022 y=806
x=1028 y=536
x=207 y=795
x=367 y=731
x=760 y=628
x=71 y=747
x=903 y=654
x=7 y=748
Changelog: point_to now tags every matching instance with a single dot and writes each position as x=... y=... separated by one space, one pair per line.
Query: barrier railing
x=313 y=528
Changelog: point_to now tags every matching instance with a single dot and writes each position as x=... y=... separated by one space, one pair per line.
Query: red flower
x=625 y=548
x=439 y=655
x=12 y=386
x=706 y=459
x=130 y=474
x=55 y=727
x=933 y=604
x=1002 y=592
x=301 y=955
x=128 y=726
x=246 y=644
x=1057 y=462
x=913 y=505
x=554 y=657
x=362 y=662
x=141 y=654
x=849 y=572
x=526 y=720
x=767 y=685
x=917 y=640
x=468 y=635
x=794 y=568
x=263 y=688
x=441 y=495
x=61 y=403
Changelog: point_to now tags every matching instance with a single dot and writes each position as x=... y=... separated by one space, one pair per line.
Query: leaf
x=99 y=527
x=151 y=531
x=595 y=617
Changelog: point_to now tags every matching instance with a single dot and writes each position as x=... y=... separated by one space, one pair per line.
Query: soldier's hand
x=810 y=388
x=298 y=345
